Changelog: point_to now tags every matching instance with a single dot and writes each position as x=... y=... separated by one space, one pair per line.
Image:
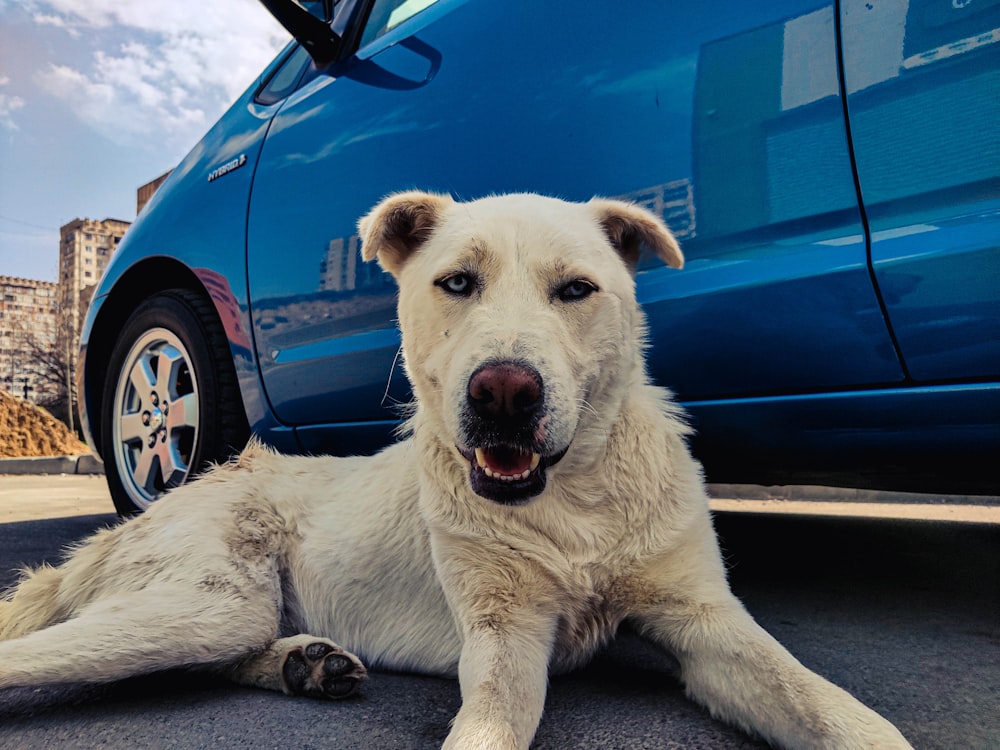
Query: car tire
x=171 y=403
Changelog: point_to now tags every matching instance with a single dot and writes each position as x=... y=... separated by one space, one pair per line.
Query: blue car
x=832 y=170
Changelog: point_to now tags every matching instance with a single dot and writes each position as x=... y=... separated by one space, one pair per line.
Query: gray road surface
x=904 y=614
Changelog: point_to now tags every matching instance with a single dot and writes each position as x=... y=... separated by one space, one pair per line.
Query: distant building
x=338 y=269
x=41 y=317
x=85 y=249
x=144 y=193
x=342 y=270
x=27 y=326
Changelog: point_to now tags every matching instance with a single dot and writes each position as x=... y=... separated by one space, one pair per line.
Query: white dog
x=545 y=495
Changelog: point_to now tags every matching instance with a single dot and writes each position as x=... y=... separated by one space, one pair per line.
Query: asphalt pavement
x=903 y=613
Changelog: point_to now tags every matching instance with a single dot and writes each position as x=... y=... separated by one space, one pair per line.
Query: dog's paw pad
x=322 y=670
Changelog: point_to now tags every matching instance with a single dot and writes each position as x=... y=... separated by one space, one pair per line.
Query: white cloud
x=46 y=19
x=166 y=70
x=8 y=105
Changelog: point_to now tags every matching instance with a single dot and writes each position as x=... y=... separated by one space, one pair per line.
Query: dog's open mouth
x=507 y=464
x=507 y=475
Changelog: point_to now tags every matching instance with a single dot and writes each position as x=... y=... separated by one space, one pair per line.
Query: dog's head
x=521 y=334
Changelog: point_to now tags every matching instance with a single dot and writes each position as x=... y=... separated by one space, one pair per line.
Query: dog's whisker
x=388 y=381
x=585 y=405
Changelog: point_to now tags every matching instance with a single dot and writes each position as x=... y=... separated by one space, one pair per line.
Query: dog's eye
x=575 y=290
x=459 y=284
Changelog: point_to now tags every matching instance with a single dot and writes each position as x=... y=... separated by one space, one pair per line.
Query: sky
x=98 y=97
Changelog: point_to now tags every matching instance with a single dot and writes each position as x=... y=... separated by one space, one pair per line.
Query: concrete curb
x=85 y=464
x=816 y=494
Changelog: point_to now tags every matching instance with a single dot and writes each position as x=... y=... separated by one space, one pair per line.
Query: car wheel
x=171 y=402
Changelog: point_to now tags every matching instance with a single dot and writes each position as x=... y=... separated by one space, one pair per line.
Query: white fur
x=395 y=557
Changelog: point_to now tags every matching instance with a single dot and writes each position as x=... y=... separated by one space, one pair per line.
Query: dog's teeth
x=480 y=456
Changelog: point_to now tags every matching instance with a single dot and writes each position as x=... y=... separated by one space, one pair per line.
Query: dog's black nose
x=505 y=390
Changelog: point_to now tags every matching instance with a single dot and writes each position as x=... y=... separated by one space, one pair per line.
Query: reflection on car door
x=776 y=298
x=923 y=82
x=725 y=117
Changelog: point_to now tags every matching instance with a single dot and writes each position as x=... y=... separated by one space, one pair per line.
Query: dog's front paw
x=322 y=669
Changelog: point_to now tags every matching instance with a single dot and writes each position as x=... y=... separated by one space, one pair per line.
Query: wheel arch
x=147 y=277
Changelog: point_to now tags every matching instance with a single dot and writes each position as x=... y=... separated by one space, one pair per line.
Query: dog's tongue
x=506 y=461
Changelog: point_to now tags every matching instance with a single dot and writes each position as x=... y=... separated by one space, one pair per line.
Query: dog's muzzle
x=505 y=432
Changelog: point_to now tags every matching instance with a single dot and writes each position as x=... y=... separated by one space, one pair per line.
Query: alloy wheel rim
x=155 y=416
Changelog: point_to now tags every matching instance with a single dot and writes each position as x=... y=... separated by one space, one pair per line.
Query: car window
x=388 y=14
x=284 y=80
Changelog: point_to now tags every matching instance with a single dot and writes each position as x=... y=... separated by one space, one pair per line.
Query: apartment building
x=85 y=248
x=27 y=327
x=38 y=318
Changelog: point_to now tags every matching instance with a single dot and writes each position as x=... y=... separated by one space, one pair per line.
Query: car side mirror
x=309 y=23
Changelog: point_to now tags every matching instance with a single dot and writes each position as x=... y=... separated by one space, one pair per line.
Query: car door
x=923 y=83
x=724 y=117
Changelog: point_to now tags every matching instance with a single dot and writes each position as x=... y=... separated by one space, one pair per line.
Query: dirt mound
x=26 y=430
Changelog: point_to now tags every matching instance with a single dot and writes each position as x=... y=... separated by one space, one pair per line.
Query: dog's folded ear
x=398 y=225
x=629 y=227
